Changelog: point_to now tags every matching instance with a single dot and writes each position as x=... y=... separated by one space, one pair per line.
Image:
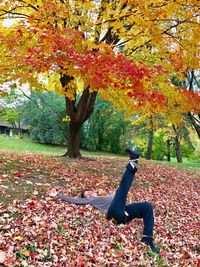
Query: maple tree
x=72 y=47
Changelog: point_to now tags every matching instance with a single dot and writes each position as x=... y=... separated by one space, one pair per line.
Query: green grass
x=187 y=163
x=100 y=154
x=18 y=144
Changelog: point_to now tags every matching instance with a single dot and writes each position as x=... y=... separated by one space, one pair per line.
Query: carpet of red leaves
x=38 y=230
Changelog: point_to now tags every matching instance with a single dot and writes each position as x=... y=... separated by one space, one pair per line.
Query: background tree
x=191 y=81
x=45 y=114
x=106 y=129
x=96 y=126
x=11 y=108
x=150 y=139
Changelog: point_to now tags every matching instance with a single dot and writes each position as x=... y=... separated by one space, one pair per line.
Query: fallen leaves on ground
x=39 y=230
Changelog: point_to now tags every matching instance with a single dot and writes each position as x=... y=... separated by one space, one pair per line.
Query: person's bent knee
x=117 y=219
x=148 y=205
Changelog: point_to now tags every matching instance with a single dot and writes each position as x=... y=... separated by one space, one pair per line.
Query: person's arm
x=77 y=200
x=111 y=194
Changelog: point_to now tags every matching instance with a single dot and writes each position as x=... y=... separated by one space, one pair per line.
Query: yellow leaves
x=3 y=94
x=51 y=81
x=70 y=94
x=165 y=24
x=19 y=238
x=140 y=119
x=69 y=90
x=88 y=5
x=177 y=61
x=117 y=25
x=120 y=100
x=66 y=118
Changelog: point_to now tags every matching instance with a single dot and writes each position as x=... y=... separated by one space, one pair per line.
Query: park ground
x=38 y=230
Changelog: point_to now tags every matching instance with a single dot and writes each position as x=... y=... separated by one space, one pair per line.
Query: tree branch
x=14 y=14
x=107 y=34
x=164 y=32
x=191 y=81
x=82 y=105
x=197 y=82
x=24 y=94
x=90 y=106
x=28 y=5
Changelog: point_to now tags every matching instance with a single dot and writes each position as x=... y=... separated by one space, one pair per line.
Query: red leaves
x=80 y=261
x=101 y=67
x=18 y=174
x=33 y=255
x=31 y=205
x=20 y=32
x=155 y=98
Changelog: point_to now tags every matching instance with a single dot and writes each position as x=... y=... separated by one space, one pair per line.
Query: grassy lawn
x=24 y=144
x=187 y=163
x=18 y=144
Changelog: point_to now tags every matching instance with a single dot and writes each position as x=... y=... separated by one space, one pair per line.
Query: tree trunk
x=78 y=111
x=73 y=141
x=177 y=145
x=168 y=150
x=150 y=141
x=178 y=150
x=150 y=145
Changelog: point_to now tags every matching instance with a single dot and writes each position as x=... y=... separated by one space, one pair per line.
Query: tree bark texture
x=168 y=150
x=177 y=145
x=150 y=141
x=74 y=141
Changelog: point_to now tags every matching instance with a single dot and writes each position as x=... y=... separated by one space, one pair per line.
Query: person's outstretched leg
x=117 y=207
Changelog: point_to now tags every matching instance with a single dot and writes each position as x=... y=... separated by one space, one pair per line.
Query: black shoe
x=149 y=241
x=134 y=154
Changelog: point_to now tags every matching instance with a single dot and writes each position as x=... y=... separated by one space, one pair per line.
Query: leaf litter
x=38 y=230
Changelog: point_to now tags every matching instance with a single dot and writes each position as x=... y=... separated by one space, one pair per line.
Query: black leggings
x=122 y=213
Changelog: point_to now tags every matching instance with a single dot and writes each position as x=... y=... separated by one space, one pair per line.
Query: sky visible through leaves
x=38 y=230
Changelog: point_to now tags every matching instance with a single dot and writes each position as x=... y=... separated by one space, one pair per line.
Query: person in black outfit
x=120 y=212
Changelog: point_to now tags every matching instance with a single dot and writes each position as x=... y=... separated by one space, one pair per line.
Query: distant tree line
x=106 y=129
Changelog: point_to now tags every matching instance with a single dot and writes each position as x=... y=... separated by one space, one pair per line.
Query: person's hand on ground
x=53 y=193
